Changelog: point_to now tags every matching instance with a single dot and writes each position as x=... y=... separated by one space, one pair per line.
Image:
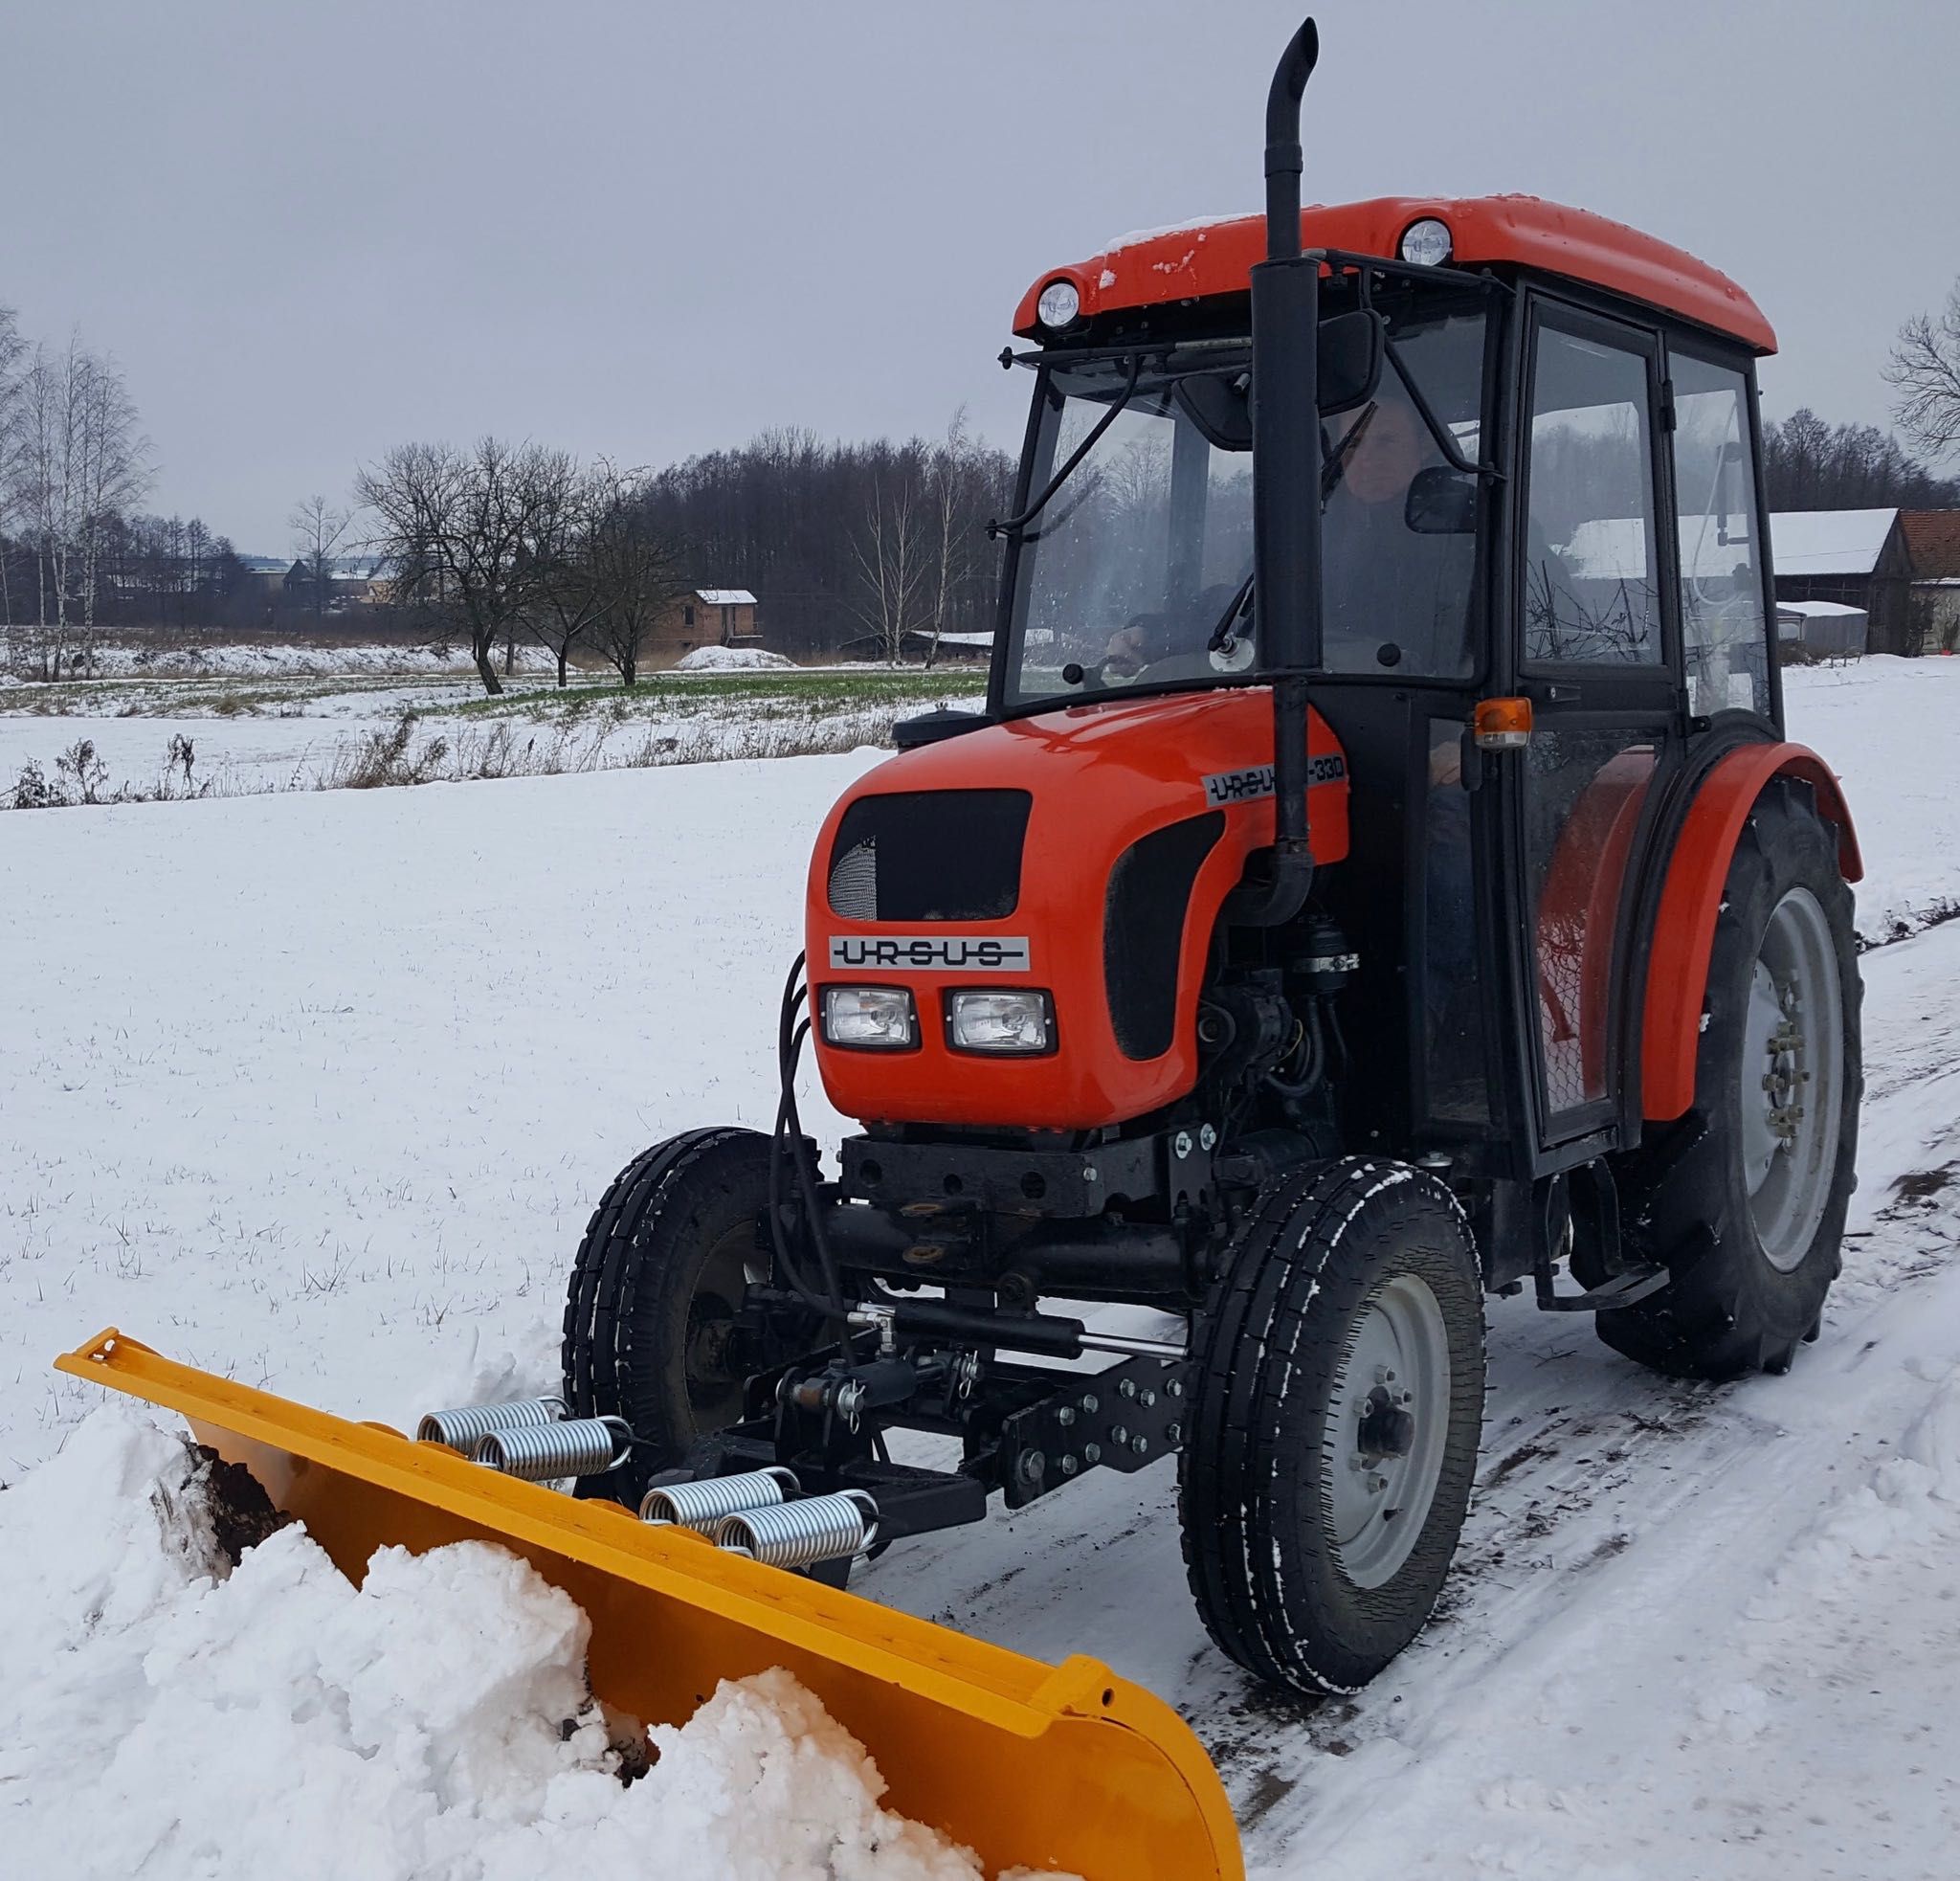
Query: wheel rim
x=1387 y=1425
x=1792 y=1078
x=714 y=1387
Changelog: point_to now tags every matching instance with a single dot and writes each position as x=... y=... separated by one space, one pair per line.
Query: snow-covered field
x=319 y=1090
x=293 y=730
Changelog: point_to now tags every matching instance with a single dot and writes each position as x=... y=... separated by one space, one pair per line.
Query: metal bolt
x=1032 y=1465
x=1087 y=1401
x=1181 y=1142
x=1066 y=1415
x=1126 y=1387
x=1174 y=1388
x=1092 y=1452
x=1091 y=1173
x=1069 y=1465
x=1377 y=1484
x=1208 y=1138
x=1140 y=1443
x=1173 y=1433
x=1147 y=1399
x=1119 y=1435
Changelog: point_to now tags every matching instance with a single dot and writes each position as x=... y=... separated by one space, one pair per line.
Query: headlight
x=870 y=1018
x=1426 y=243
x=1019 y=1022
x=1059 y=303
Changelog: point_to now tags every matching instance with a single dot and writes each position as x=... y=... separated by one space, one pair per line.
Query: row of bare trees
x=504 y=542
x=73 y=464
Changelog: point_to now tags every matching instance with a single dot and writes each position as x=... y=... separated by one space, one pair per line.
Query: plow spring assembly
x=1066 y=1766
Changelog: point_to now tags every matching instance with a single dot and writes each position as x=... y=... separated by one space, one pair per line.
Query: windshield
x=1127 y=575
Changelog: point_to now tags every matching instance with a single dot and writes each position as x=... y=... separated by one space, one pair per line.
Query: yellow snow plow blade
x=1064 y=1767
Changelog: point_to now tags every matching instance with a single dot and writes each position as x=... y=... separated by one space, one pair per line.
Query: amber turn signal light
x=1502 y=724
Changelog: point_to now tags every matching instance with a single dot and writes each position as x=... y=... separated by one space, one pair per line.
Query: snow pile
x=162 y=1713
x=732 y=660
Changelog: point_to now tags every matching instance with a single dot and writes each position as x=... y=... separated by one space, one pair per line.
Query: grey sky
x=646 y=228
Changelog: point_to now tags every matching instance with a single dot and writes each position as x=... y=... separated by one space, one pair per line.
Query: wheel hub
x=1791 y=1037
x=1388 y=1423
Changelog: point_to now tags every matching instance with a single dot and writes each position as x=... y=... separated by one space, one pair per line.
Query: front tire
x=1337 y=1403
x=658 y=1280
x=1744 y=1198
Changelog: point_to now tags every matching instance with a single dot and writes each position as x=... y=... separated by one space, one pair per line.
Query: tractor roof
x=1200 y=259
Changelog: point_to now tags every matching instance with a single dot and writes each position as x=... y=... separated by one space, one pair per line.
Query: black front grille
x=930 y=856
x=1142 y=929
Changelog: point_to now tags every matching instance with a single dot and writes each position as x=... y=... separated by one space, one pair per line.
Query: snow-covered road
x=319 y=1090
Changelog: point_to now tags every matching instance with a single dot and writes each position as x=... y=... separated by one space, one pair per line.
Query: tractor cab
x=1538 y=501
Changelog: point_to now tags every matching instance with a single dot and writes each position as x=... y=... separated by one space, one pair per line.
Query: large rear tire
x=1337 y=1403
x=658 y=1280
x=1743 y=1198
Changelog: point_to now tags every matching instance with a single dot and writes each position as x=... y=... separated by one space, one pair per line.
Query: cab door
x=1596 y=650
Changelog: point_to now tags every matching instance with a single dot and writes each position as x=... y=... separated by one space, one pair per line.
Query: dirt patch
x=241 y=1512
x=1919 y=1189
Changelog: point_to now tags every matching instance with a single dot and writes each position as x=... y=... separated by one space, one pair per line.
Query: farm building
x=705 y=617
x=1854 y=558
x=1933 y=542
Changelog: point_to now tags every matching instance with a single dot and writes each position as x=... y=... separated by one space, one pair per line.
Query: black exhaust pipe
x=1287 y=478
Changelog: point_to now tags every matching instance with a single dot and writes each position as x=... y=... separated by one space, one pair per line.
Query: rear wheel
x=1744 y=1198
x=654 y=1289
x=1336 y=1407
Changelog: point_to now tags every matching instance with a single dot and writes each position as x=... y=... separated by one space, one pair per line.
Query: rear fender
x=1691 y=900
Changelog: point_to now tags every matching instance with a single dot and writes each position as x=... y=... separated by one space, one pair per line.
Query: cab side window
x=1722 y=616
x=1592 y=587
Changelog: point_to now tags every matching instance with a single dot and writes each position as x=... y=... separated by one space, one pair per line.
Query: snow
x=319 y=1090
x=732 y=660
x=725 y=598
x=434 y=1723
x=270 y=659
x=1829 y=541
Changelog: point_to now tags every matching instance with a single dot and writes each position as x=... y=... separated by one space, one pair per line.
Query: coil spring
x=793 y=1535
x=463 y=1428
x=702 y=1503
x=540 y=1453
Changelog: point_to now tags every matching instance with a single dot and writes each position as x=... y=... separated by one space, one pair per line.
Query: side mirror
x=1350 y=359
x=1442 y=500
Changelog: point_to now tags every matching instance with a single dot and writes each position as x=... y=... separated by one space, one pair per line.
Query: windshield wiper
x=1014 y=524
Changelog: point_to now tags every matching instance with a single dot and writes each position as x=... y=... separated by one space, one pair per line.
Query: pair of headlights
x=1011 y=1022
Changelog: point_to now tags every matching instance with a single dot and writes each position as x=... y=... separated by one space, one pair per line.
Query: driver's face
x=1388 y=456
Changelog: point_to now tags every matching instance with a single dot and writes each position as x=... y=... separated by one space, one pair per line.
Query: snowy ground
x=319 y=1090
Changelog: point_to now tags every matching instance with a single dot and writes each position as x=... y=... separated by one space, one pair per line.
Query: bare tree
x=80 y=462
x=13 y=352
x=634 y=569
x=1924 y=367
x=318 y=527
x=571 y=598
x=460 y=533
x=893 y=550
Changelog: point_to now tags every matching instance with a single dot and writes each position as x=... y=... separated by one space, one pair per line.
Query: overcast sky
x=645 y=229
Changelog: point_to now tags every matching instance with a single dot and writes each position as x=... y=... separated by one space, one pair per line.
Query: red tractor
x=1378 y=878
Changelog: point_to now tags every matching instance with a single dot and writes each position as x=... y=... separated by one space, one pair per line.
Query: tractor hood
x=1084 y=852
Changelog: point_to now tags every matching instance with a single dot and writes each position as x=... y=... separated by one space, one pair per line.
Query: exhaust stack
x=1286 y=473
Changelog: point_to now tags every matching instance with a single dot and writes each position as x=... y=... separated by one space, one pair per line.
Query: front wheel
x=1337 y=1403
x=653 y=1296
